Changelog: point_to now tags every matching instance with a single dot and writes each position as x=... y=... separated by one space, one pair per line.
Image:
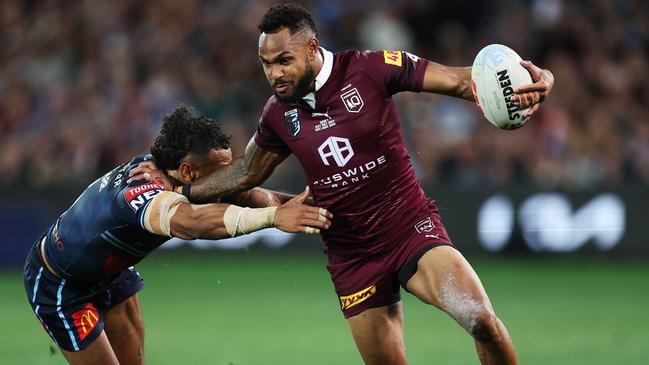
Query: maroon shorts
x=364 y=278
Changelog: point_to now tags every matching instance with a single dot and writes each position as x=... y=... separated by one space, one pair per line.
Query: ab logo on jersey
x=337 y=148
x=85 y=320
x=392 y=57
x=292 y=121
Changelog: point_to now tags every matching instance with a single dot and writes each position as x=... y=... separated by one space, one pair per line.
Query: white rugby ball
x=495 y=74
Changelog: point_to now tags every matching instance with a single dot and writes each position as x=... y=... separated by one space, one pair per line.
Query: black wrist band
x=186 y=190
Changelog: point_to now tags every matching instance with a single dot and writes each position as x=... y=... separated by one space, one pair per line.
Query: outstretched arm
x=242 y=174
x=170 y=214
x=456 y=81
x=452 y=81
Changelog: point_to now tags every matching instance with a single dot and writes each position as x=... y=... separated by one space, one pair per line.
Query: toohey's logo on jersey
x=136 y=197
x=339 y=151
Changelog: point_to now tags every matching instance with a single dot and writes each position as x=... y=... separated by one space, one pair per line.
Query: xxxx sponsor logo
x=349 y=301
x=85 y=320
x=392 y=57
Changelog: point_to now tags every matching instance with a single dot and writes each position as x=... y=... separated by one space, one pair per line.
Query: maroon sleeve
x=396 y=70
x=266 y=135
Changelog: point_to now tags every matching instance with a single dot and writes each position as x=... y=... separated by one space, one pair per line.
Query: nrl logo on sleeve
x=292 y=121
x=392 y=57
x=137 y=196
x=349 y=301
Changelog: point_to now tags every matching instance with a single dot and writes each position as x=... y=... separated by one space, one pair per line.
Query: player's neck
x=175 y=178
x=317 y=67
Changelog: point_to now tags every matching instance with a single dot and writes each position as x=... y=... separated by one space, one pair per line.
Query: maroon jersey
x=350 y=144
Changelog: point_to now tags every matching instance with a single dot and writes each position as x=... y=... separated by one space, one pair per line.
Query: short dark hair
x=183 y=133
x=290 y=15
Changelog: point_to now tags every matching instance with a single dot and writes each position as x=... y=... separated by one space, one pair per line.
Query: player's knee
x=485 y=327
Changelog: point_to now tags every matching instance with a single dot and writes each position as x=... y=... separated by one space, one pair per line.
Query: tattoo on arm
x=222 y=182
x=242 y=174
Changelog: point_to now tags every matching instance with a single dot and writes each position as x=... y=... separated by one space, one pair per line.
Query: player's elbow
x=255 y=176
x=250 y=180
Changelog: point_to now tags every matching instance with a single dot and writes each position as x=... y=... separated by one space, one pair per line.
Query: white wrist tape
x=157 y=218
x=238 y=220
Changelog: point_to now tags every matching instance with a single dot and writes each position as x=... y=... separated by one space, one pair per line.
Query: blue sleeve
x=134 y=200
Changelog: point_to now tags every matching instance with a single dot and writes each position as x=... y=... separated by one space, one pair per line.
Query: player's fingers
x=536 y=86
x=300 y=198
x=534 y=71
x=326 y=213
x=311 y=230
x=148 y=165
x=315 y=222
x=322 y=212
x=526 y=100
x=136 y=171
x=529 y=99
x=136 y=177
x=142 y=167
x=532 y=110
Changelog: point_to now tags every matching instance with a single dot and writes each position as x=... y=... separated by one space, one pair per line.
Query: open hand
x=296 y=217
x=147 y=170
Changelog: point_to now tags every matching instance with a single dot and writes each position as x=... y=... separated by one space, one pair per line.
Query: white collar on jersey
x=322 y=77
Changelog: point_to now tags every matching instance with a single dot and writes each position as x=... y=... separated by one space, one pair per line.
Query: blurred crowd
x=84 y=84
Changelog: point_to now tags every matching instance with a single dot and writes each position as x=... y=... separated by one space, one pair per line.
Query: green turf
x=247 y=309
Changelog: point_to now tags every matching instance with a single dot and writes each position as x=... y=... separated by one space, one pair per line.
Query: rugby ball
x=496 y=72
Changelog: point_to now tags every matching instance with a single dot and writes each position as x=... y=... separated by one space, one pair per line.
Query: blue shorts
x=73 y=314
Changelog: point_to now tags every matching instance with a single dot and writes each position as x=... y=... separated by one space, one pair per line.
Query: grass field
x=248 y=309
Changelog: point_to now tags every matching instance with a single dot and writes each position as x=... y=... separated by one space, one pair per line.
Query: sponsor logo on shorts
x=85 y=320
x=349 y=301
x=392 y=57
x=137 y=196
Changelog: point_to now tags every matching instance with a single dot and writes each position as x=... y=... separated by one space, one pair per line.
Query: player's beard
x=302 y=87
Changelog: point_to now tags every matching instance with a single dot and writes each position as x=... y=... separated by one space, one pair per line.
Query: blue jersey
x=103 y=232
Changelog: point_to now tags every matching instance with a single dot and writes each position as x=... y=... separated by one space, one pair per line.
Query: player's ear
x=313 y=46
x=187 y=172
